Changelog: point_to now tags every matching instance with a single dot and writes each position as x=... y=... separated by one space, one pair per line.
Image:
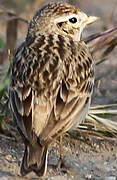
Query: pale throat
x=77 y=35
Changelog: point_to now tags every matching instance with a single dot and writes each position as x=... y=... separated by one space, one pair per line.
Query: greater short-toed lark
x=52 y=81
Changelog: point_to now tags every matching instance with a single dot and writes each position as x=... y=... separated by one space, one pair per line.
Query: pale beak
x=91 y=19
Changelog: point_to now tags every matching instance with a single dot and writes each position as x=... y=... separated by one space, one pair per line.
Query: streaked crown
x=60 y=18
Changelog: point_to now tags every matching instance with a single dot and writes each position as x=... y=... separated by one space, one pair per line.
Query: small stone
x=88 y=176
x=85 y=168
x=9 y=157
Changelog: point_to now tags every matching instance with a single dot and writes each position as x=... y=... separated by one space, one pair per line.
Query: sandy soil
x=96 y=160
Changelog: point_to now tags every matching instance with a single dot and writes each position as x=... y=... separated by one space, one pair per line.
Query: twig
x=12 y=15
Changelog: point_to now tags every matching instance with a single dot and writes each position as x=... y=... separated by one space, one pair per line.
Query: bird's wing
x=51 y=86
x=20 y=95
x=73 y=99
x=35 y=81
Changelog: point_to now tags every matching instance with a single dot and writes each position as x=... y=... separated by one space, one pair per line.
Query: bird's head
x=61 y=18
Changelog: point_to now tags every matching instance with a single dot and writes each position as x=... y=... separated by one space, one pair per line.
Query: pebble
x=88 y=176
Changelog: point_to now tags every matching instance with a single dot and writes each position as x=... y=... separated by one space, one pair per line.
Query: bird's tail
x=35 y=159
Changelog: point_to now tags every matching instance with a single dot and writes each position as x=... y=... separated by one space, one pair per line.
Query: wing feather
x=40 y=114
x=50 y=92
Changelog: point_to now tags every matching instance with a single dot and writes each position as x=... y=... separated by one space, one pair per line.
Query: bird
x=52 y=79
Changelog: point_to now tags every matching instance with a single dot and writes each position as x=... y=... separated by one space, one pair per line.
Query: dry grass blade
x=102 y=44
x=103 y=106
x=98 y=123
x=106 y=123
x=96 y=119
x=103 y=111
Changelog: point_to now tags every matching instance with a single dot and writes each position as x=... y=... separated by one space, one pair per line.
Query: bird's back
x=49 y=76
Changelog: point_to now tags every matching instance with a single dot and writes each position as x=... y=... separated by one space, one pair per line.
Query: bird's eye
x=73 y=20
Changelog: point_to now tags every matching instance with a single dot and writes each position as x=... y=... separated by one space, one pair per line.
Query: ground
x=96 y=160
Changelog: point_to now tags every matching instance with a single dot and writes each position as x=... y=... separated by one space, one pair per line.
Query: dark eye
x=73 y=20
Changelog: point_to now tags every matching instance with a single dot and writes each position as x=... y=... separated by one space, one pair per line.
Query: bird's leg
x=61 y=146
x=60 y=163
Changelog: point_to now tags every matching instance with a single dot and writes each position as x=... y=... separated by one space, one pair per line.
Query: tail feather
x=35 y=159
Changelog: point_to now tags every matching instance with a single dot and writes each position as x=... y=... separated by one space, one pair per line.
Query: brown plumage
x=52 y=81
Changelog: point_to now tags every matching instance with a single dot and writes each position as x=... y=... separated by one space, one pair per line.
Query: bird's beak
x=91 y=19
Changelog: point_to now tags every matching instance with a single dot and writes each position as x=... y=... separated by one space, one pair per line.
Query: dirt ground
x=96 y=160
